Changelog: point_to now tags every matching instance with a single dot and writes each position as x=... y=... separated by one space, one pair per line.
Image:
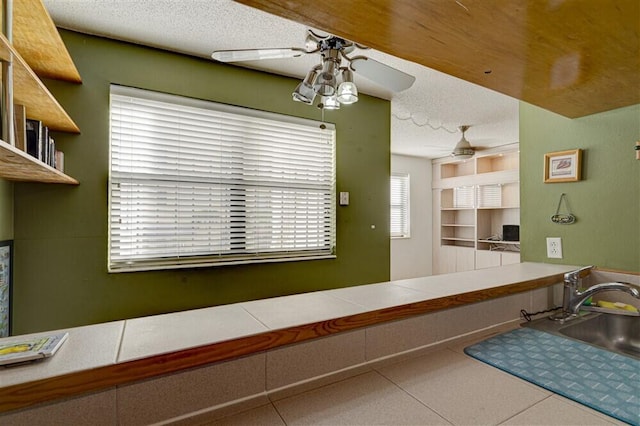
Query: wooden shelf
x=467 y=240
x=29 y=91
x=458 y=224
x=499 y=242
x=19 y=166
x=36 y=38
x=498 y=208
x=37 y=50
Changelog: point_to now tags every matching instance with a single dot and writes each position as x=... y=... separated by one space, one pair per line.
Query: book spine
x=44 y=144
x=59 y=163
x=51 y=153
x=20 y=127
x=33 y=136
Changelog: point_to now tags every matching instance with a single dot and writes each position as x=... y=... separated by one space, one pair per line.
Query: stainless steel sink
x=617 y=333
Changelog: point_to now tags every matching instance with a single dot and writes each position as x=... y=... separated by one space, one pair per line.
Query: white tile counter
x=86 y=348
x=118 y=354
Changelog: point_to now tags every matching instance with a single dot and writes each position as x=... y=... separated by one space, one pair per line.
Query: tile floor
x=440 y=388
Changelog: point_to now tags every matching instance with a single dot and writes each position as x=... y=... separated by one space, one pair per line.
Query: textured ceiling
x=424 y=117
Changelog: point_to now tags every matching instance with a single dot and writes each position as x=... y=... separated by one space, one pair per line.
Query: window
x=399 y=205
x=195 y=183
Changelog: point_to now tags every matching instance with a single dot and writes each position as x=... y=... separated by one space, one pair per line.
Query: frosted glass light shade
x=304 y=93
x=347 y=93
x=331 y=102
x=325 y=84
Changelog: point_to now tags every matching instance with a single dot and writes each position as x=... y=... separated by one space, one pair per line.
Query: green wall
x=606 y=201
x=6 y=210
x=61 y=277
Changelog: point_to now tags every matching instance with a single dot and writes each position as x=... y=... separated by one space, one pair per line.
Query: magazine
x=17 y=350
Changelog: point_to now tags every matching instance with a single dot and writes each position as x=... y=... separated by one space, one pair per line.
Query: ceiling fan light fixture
x=463 y=149
x=333 y=51
x=463 y=152
x=347 y=91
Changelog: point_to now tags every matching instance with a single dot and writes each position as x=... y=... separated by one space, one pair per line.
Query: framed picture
x=6 y=276
x=563 y=166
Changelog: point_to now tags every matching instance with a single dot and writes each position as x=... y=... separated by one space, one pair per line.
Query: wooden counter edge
x=73 y=384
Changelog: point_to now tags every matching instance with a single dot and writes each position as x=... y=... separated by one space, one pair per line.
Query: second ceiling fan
x=463 y=149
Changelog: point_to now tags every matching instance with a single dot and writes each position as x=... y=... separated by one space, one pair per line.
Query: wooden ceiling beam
x=572 y=57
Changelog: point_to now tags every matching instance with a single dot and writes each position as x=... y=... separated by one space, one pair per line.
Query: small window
x=399 y=205
x=196 y=183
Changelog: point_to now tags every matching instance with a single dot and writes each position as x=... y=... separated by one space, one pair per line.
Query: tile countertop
x=269 y=323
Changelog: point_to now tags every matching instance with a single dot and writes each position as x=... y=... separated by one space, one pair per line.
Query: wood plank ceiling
x=572 y=57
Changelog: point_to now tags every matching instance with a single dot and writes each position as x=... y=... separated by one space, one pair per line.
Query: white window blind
x=463 y=197
x=490 y=195
x=399 y=205
x=196 y=183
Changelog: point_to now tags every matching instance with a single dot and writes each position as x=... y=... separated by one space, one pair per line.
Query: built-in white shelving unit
x=472 y=201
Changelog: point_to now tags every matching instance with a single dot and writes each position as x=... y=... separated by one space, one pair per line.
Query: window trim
x=217 y=259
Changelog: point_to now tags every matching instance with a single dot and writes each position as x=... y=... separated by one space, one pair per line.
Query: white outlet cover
x=554 y=247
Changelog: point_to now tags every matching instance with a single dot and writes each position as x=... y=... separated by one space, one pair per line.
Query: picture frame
x=6 y=286
x=563 y=166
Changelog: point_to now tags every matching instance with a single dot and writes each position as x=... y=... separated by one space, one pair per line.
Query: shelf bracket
x=8 y=130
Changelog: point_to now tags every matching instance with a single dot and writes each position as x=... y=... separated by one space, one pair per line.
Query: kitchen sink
x=617 y=333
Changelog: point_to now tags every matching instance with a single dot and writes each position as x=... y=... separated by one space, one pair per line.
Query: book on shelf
x=20 y=127
x=43 y=145
x=51 y=153
x=15 y=350
x=39 y=143
x=59 y=161
x=34 y=129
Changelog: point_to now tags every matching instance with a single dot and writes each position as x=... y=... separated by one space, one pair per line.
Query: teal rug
x=600 y=379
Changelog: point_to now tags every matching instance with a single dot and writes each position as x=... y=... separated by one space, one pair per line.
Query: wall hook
x=566 y=218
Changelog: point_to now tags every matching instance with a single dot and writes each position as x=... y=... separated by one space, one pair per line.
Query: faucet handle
x=573 y=276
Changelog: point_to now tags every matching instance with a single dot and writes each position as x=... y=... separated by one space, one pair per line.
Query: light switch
x=344 y=198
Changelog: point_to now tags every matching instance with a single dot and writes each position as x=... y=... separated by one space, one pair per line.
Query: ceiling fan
x=323 y=78
x=463 y=148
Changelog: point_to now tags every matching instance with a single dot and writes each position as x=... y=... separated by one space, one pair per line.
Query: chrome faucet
x=573 y=298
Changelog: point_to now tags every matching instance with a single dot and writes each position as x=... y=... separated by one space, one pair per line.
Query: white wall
x=411 y=257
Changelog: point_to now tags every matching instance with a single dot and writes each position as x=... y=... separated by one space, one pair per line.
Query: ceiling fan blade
x=382 y=74
x=257 y=54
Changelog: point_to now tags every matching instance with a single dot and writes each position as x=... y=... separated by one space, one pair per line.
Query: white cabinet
x=454 y=259
x=487 y=259
x=490 y=259
x=508 y=258
x=472 y=201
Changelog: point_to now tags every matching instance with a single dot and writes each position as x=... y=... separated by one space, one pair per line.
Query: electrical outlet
x=554 y=247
